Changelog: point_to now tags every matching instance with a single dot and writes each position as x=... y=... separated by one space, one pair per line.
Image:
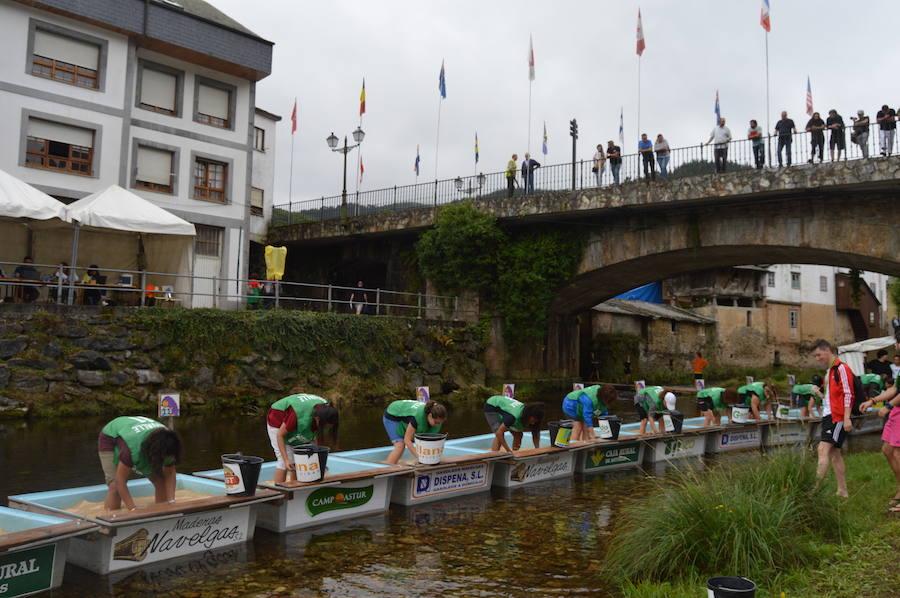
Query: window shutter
x=66 y=49
x=256 y=197
x=212 y=101
x=158 y=89
x=51 y=131
x=154 y=166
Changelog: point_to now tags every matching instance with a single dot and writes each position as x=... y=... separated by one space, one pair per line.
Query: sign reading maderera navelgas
x=26 y=572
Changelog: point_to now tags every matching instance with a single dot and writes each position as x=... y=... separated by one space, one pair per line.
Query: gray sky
x=586 y=67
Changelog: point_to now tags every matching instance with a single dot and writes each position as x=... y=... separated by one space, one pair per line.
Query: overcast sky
x=586 y=68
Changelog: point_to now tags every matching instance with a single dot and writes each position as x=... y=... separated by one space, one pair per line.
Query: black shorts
x=837 y=140
x=833 y=433
x=642 y=413
x=705 y=404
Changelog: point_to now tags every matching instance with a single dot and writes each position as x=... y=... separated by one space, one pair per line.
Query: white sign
x=605 y=429
x=640 y=385
x=450 y=479
x=669 y=424
x=739 y=439
x=749 y=379
x=541 y=468
x=787 y=434
x=159 y=540
x=509 y=391
x=578 y=386
x=681 y=446
x=792 y=379
x=422 y=394
x=700 y=384
x=169 y=404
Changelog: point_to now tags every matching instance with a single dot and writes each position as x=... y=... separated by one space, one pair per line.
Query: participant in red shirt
x=836 y=408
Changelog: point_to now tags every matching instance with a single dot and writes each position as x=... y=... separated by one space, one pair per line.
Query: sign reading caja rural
x=332 y=499
x=26 y=572
x=450 y=479
x=618 y=455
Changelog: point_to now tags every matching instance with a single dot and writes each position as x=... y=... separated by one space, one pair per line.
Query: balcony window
x=56 y=146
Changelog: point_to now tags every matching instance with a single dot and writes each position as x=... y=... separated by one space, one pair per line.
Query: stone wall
x=112 y=363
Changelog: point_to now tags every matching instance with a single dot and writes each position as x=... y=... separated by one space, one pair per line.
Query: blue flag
x=416 y=167
x=442 y=82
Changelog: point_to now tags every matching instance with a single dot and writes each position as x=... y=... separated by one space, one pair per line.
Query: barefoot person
x=294 y=420
x=650 y=404
x=890 y=437
x=506 y=414
x=758 y=394
x=711 y=404
x=144 y=446
x=404 y=419
x=836 y=422
x=582 y=405
x=807 y=396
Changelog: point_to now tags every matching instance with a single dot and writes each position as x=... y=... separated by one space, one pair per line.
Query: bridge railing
x=683 y=161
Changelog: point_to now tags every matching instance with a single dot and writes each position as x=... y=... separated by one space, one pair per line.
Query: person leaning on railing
x=860 y=133
x=614 y=155
x=835 y=122
x=785 y=129
x=887 y=123
x=816 y=128
x=755 y=134
x=661 y=147
x=511 y=175
x=599 y=162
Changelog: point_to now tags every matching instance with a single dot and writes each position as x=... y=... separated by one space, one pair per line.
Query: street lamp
x=332 y=141
x=458 y=182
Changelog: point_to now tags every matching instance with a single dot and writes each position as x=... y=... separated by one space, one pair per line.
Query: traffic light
x=573 y=128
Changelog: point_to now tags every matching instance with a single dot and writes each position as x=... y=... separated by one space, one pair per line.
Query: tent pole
x=75 y=234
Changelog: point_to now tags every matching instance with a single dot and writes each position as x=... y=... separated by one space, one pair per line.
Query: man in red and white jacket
x=836 y=408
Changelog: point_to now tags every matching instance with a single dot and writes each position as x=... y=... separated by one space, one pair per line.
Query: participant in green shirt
x=807 y=396
x=711 y=403
x=756 y=394
x=506 y=414
x=404 y=419
x=298 y=419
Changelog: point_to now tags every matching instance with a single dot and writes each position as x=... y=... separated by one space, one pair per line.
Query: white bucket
x=429 y=448
x=782 y=412
x=740 y=415
x=309 y=462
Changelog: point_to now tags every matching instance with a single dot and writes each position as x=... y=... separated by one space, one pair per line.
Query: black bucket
x=730 y=587
x=241 y=474
x=309 y=462
x=615 y=423
x=560 y=432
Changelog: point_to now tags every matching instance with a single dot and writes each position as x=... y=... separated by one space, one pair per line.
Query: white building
x=262 y=179
x=157 y=97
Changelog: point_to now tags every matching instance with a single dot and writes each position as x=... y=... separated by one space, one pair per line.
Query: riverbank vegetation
x=766 y=521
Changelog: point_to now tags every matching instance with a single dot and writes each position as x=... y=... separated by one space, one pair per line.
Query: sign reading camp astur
x=26 y=572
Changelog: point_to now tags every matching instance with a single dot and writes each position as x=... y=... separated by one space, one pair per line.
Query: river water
x=547 y=539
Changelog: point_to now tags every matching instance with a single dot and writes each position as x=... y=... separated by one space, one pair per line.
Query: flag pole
x=291 y=177
x=768 y=120
x=530 y=84
x=639 y=97
x=437 y=138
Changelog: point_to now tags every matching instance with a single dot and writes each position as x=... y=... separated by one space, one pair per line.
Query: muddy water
x=88 y=508
x=546 y=539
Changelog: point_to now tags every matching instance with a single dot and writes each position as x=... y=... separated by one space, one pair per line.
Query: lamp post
x=470 y=189
x=332 y=140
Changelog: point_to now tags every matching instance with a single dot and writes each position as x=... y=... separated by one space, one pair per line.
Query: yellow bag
x=275 y=257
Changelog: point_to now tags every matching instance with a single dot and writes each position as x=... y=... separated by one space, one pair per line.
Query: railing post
x=277 y=292
x=435 y=191
x=329 y=298
x=378 y=299
x=420 y=306
x=143 y=288
x=322 y=210
x=394 y=200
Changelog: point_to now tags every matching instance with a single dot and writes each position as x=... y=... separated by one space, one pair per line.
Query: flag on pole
x=416 y=166
x=530 y=59
x=476 y=147
x=640 y=35
x=809 y=103
x=621 y=126
x=442 y=82
x=764 y=19
x=294 y=118
x=362 y=169
x=362 y=98
x=544 y=148
x=718 y=111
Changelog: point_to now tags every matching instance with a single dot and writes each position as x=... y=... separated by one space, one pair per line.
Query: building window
x=770 y=279
x=208 y=241
x=823 y=284
x=256 y=201
x=259 y=139
x=56 y=146
x=154 y=169
x=871 y=318
x=749 y=318
x=65 y=59
x=674 y=326
x=158 y=90
x=794 y=317
x=209 y=180
x=214 y=104
x=795 y=280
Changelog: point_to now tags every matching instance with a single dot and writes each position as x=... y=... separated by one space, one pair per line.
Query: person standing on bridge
x=887 y=124
x=599 y=163
x=836 y=123
x=816 y=128
x=661 y=147
x=721 y=135
x=528 y=168
x=755 y=135
x=614 y=154
x=645 y=147
x=785 y=129
x=860 y=133
x=511 y=168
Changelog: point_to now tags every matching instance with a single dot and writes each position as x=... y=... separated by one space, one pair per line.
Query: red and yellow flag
x=362 y=99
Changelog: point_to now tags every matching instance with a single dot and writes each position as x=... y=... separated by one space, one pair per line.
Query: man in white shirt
x=895 y=367
x=721 y=135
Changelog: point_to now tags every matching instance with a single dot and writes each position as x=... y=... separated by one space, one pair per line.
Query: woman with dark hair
x=504 y=413
x=756 y=395
x=807 y=396
x=404 y=419
x=295 y=420
x=144 y=446
x=582 y=405
x=711 y=403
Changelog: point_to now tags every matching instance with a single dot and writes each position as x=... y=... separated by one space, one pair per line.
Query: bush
x=751 y=521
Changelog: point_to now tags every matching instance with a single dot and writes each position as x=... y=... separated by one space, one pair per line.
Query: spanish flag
x=362 y=99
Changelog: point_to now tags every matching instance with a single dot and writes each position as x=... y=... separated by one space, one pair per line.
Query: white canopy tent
x=854 y=354
x=20 y=206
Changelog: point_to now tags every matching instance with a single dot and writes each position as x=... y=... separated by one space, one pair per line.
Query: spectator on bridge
x=359 y=298
x=614 y=154
x=30 y=293
x=837 y=141
x=887 y=124
x=816 y=128
x=645 y=147
x=785 y=129
x=528 y=168
x=511 y=168
x=599 y=164
x=755 y=134
x=860 y=133
x=661 y=147
x=721 y=135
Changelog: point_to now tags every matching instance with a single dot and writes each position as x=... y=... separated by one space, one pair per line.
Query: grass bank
x=767 y=522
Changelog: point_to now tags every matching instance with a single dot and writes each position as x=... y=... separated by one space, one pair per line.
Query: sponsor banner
x=578 y=386
x=739 y=439
x=617 y=455
x=509 y=391
x=169 y=404
x=699 y=384
x=422 y=394
x=792 y=380
x=451 y=479
x=323 y=500
x=640 y=385
x=787 y=434
x=26 y=572
x=158 y=540
x=684 y=446
x=540 y=468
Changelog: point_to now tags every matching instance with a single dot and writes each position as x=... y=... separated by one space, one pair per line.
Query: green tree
x=894 y=293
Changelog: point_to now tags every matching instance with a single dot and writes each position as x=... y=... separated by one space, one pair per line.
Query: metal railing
x=682 y=161
x=140 y=288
